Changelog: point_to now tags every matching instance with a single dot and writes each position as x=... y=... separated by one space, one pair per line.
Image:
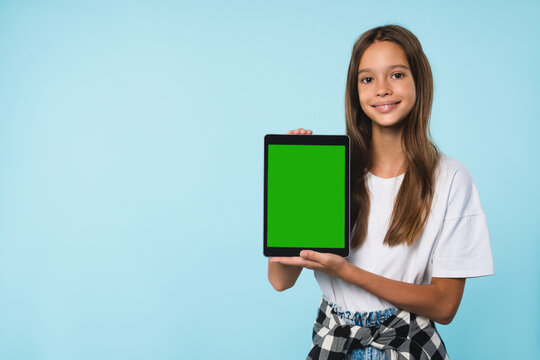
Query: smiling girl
x=418 y=227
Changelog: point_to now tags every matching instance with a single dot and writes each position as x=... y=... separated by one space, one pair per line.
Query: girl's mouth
x=386 y=108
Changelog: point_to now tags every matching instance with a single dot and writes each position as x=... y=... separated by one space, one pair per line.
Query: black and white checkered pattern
x=404 y=336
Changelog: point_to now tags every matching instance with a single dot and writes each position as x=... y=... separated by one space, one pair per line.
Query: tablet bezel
x=343 y=140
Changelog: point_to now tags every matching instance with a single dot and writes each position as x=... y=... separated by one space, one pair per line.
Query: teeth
x=385 y=106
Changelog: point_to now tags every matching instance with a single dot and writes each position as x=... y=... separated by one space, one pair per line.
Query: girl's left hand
x=331 y=264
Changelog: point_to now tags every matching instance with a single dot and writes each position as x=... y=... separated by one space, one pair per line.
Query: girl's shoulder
x=450 y=165
x=451 y=170
x=456 y=184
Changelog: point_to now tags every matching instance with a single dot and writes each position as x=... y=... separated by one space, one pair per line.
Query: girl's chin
x=387 y=123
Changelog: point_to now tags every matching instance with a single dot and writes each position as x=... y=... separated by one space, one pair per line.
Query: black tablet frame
x=271 y=139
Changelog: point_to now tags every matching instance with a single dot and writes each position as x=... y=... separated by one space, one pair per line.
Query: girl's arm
x=281 y=276
x=437 y=301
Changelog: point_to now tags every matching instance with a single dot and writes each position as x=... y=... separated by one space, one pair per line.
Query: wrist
x=346 y=271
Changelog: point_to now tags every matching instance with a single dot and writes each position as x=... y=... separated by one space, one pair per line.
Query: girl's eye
x=362 y=80
x=400 y=75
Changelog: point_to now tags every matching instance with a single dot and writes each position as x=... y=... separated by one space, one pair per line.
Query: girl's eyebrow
x=389 y=68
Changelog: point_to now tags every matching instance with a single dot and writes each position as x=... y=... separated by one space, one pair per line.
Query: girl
x=418 y=227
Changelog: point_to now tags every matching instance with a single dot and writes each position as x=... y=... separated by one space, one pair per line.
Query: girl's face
x=385 y=78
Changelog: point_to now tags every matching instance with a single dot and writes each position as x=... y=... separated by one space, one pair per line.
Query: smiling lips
x=385 y=106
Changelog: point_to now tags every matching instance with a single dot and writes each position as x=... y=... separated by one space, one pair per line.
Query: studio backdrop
x=131 y=162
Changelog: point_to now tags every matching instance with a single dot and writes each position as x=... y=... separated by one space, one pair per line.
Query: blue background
x=131 y=148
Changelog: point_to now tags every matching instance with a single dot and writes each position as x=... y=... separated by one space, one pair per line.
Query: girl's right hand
x=300 y=131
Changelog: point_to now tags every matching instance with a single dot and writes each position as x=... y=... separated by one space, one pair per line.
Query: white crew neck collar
x=385 y=179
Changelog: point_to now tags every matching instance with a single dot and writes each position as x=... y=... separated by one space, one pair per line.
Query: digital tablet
x=306 y=194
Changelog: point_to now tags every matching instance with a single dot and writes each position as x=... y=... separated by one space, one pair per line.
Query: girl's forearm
x=437 y=301
x=281 y=276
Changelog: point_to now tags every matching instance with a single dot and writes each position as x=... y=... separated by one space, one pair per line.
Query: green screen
x=306 y=196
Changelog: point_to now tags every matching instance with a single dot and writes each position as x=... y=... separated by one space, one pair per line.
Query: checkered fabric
x=404 y=336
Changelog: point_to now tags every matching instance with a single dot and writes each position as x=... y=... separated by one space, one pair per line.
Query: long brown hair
x=413 y=201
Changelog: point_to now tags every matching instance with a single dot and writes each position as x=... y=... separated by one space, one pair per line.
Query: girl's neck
x=388 y=158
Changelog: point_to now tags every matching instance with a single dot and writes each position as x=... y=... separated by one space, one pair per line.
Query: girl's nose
x=383 y=89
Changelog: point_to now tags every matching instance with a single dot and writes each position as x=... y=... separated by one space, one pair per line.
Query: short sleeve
x=463 y=248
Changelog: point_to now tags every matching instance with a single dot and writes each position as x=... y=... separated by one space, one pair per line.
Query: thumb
x=311 y=255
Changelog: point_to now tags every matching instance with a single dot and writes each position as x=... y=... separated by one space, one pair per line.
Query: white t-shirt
x=454 y=243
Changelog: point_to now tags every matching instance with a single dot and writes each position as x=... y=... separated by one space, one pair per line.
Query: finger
x=312 y=265
x=312 y=255
x=300 y=131
x=296 y=261
x=288 y=260
x=299 y=261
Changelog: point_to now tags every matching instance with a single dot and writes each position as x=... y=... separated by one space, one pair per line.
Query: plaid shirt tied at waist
x=404 y=336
